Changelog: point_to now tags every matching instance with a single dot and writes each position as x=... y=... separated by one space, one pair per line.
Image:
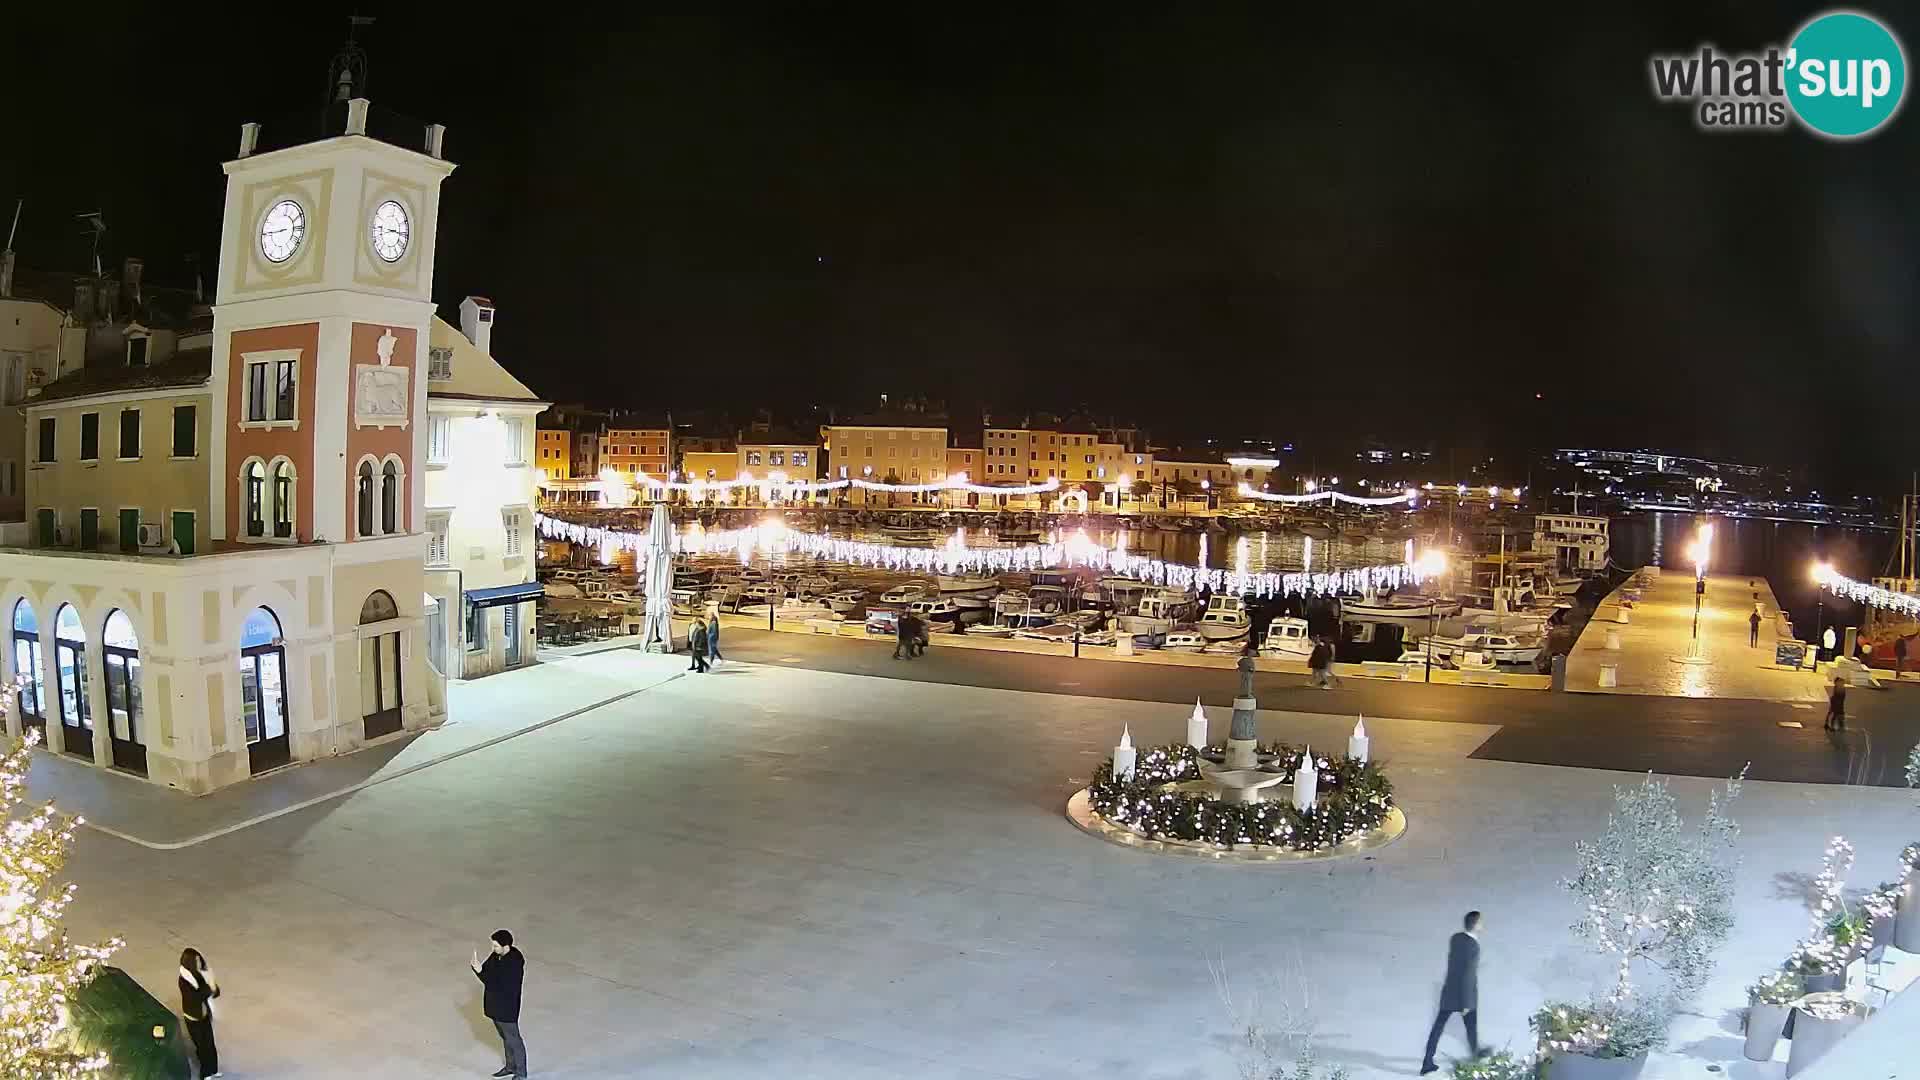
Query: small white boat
x=846 y=600
x=794 y=609
x=764 y=592
x=1184 y=641
x=991 y=630
x=1050 y=632
x=1400 y=606
x=941 y=611
x=907 y=592
x=1225 y=619
x=966 y=583
x=1287 y=637
x=1497 y=648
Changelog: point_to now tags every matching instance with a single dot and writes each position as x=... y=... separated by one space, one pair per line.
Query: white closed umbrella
x=659 y=632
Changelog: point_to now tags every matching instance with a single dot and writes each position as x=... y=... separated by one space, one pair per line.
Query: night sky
x=1306 y=225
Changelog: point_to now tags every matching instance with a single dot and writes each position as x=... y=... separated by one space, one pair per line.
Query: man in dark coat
x=1317 y=663
x=1460 y=993
x=905 y=635
x=501 y=975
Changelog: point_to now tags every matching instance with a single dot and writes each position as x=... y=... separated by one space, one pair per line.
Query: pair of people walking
x=909 y=634
x=1320 y=664
x=502 y=974
x=703 y=641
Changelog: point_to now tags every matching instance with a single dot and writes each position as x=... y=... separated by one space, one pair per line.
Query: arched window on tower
x=283 y=499
x=363 y=498
x=390 y=497
x=254 y=481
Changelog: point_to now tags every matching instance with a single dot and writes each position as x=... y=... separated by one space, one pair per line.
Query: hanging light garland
x=1329 y=496
x=1076 y=551
x=779 y=480
x=1861 y=593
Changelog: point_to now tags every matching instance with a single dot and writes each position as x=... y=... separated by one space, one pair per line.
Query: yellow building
x=900 y=453
x=553 y=453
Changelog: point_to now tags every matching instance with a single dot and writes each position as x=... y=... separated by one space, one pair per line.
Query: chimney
x=131 y=270
x=476 y=321
x=83 y=301
x=357 y=116
x=6 y=272
x=249 y=138
x=436 y=138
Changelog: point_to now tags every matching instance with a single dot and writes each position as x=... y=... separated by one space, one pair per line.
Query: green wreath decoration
x=1354 y=797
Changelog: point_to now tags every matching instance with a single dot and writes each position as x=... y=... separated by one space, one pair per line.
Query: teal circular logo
x=1846 y=74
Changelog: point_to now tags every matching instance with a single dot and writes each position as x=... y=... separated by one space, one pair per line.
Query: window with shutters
x=439 y=363
x=516 y=438
x=511 y=520
x=129 y=434
x=186 y=432
x=439 y=437
x=437 y=539
x=89 y=437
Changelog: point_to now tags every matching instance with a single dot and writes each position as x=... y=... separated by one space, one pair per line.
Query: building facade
x=481 y=484
x=295 y=630
x=632 y=450
x=905 y=452
x=553 y=452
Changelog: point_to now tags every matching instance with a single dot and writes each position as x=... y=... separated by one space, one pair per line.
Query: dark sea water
x=1780 y=551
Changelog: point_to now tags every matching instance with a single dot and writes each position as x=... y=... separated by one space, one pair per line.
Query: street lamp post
x=1820 y=572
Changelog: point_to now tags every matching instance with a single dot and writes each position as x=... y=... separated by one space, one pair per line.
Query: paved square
x=770 y=871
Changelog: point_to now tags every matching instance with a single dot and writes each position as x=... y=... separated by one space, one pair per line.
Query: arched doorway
x=121 y=648
x=26 y=664
x=380 y=687
x=70 y=661
x=263 y=691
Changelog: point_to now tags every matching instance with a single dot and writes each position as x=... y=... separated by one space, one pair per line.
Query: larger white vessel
x=1225 y=619
x=1579 y=543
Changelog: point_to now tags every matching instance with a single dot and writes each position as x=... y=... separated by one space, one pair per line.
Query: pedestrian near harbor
x=1899 y=658
x=1460 y=993
x=1837 y=705
x=697 y=645
x=713 y=635
x=1317 y=662
x=198 y=988
x=1753 y=629
x=502 y=974
x=903 y=635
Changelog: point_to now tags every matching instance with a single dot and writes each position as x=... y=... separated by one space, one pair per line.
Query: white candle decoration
x=1357 y=742
x=1197 y=727
x=1124 y=755
x=1306 y=781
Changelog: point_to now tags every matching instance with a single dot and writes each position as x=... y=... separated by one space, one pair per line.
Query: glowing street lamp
x=1822 y=577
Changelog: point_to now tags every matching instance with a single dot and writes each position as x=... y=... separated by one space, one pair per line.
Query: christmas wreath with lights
x=1354 y=797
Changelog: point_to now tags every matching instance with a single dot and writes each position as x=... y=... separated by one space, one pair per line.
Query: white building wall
x=484 y=475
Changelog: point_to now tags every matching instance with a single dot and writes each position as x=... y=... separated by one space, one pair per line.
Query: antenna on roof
x=347 y=74
x=15 y=231
x=95 y=227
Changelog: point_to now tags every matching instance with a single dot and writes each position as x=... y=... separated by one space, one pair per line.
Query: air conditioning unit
x=151 y=535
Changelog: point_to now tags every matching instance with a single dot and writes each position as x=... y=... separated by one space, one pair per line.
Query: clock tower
x=321 y=316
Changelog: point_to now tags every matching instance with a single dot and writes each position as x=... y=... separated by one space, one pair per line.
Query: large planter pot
x=1906 y=930
x=1821 y=984
x=1813 y=1035
x=1581 y=1067
x=1882 y=931
x=1764 y=1025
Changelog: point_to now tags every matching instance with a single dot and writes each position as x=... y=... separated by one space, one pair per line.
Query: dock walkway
x=1661 y=629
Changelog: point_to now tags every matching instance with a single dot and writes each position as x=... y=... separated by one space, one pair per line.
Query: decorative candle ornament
x=1124 y=755
x=1197 y=727
x=1357 y=742
x=1306 y=781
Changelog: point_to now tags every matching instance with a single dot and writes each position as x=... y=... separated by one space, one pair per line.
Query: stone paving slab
x=483 y=711
x=1661 y=628
x=773 y=872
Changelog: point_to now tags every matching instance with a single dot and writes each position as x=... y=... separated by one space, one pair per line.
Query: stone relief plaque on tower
x=380 y=394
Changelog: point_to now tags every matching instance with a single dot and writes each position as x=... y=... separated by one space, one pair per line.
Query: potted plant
x=1906 y=931
x=1599 y=1041
x=1769 y=1003
x=1821 y=1020
x=1882 y=909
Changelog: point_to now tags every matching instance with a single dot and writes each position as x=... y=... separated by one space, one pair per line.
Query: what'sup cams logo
x=1842 y=77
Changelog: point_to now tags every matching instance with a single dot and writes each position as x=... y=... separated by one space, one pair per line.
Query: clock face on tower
x=390 y=231
x=282 y=231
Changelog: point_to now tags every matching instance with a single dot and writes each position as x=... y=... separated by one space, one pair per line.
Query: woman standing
x=1837 y=705
x=713 y=636
x=198 y=988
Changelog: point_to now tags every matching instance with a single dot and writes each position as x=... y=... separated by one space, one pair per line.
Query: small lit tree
x=1656 y=891
x=40 y=969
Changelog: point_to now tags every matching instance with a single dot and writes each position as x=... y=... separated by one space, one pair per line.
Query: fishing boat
x=966 y=583
x=1184 y=641
x=1159 y=612
x=1499 y=648
x=1401 y=606
x=846 y=601
x=797 y=609
x=1225 y=619
x=907 y=592
x=1287 y=637
x=934 y=611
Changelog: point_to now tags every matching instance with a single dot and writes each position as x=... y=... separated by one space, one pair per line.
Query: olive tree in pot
x=1837 y=934
x=1821 y=1021
x=1906 y=930
x=1769 y=1002
x=1657 y=894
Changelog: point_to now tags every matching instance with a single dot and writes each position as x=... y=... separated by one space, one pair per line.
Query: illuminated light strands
x=956 y=482
x=1822 y=950
x=1330 y=496
x=1861 y=593
x=1077 y=550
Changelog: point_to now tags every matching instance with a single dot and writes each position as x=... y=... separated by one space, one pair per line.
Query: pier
x=1657 y=655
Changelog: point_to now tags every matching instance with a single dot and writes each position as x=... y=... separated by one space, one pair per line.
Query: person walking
x=1753 y=629
x=198 y=988
x=1899 y=658
x=713 y=635
x=502 y=975
x=904 y=635
x=1837 y=705
x=1460 y=993
x=1317 y=662
x=697 y=645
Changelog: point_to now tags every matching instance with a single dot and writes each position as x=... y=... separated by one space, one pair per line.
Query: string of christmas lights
x=1076 y=551
x=1329 y=496
x=1862 y=593
x=780 y=481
